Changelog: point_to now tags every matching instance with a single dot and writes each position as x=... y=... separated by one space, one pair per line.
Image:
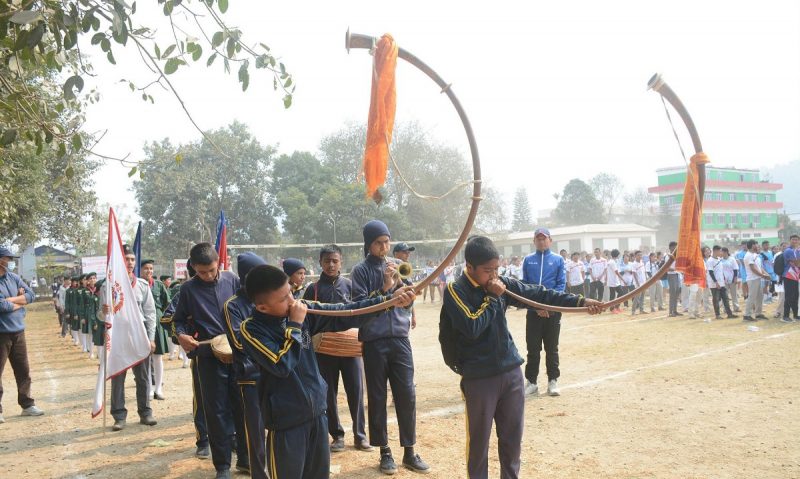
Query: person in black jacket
x=291 y=390
x=238 y=308
x=477 y=344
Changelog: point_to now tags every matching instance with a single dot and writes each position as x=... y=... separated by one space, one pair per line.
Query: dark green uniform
x=83 y=306
x=161 y=298
x=75 y=322
x=96 y=325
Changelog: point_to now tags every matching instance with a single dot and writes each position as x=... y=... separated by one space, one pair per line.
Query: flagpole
x=105 y=366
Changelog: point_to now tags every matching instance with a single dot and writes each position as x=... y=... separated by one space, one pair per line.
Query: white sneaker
x=32 y=411
x=531 y=389
x=552 y=388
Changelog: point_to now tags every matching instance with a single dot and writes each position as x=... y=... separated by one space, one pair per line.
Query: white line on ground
x=459 y=408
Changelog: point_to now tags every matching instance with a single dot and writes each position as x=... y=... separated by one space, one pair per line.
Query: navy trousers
x=198 y=413
x=254 y=429
x=350 y=368
x=300 y=452
x=223 y=411
x=390 y=358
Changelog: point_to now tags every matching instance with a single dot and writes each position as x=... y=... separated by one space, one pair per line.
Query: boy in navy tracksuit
x=387 y=353
x=332 y=287
x=545 y=268
x=291 y=391
x=477 y=344
x=237 y=309
x=296 y=271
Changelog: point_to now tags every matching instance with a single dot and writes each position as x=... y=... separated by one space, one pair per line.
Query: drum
x=342 y=344
x=222 y=349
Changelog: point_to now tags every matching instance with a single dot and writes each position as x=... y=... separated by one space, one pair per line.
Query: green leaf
x=197 y=53
x=62 y=150
x=8 y=137
x=157 y=50
x=244 y=76
x=231 y=47
x=26 y=17
x=110 y=57
x=288 y=82
x=77 y=142
x=69 y=172
x=227 y=65
x=217 y=39
x=105 y=45
x=169 y=50
x=168 y=6
x=73 y=82
x=132 y=172
x=178 y=158
x=132 y=86
x=144 y=96
x=171 y=66
x=223 y=5
x=287 y=101
x=36 y=35
x=121 y=34
x=211 y=59
x=97 y=38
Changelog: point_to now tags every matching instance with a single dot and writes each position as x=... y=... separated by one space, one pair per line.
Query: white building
x=580 y=238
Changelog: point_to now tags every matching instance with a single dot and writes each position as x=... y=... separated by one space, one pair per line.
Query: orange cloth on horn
x=382 y=106
x=689 y=258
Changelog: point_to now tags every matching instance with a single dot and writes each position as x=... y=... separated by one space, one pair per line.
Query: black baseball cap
x=403 y=247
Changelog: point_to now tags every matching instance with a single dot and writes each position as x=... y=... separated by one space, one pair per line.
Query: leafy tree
x=787 y=227
x=37 y=201
x=639 y=202
x=45 y=37
x=95 y=240
x=179 y=202
x=607 y=189
x=429 y=168
x=522 y=211
x=578 y=205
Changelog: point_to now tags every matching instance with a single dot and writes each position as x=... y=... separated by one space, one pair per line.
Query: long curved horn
x=357 y=40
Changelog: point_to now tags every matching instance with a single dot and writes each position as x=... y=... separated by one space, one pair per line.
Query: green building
x=737 y=205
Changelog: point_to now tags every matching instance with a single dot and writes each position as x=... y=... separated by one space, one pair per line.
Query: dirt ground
x=642 y=397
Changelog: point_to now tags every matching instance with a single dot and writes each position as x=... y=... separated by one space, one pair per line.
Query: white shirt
x=62 y=297
x=598 y=268
x=515 y=271
x=751 y=258
x=612 y=269
x=574 y=270
x=710 y=263
x=729 y=265
x=639 y=271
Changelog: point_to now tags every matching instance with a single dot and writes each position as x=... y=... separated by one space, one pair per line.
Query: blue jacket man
x=237 y=309
x=14 y=295
x=547 y=269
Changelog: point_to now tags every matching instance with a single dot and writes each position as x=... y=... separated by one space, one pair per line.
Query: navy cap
x=403 y=247
x=541 y=231
x=292 y=265
x=6 y=253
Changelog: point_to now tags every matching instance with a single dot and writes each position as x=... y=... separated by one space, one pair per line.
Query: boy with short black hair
x=477 y=344
x=339 y=352
x=291 y=390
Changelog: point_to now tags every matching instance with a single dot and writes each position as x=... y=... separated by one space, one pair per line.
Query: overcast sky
x=554 y=90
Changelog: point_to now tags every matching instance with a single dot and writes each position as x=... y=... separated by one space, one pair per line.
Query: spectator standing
x=14 y=295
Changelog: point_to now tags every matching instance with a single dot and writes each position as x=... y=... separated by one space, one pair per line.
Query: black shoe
x=678 y=314
x=226 y=474
x=202 y=452
x=148 y=421
x=119 y=425
x=717 y=317
x=749 y=318
x=363 y=445
x=243 y=466
x=337 y=445
x=731 y=316
x=761 y=316
x=388 y=466
x=159 y=397
x=416 y=464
